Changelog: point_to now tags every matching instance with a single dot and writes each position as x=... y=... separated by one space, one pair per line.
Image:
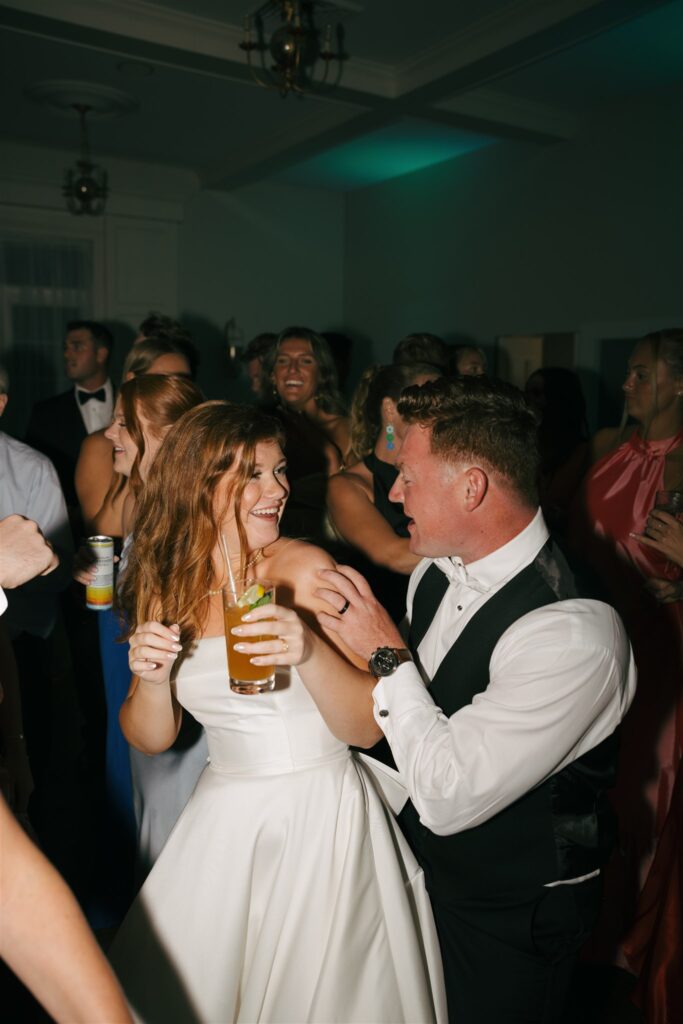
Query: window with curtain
x=43 y=284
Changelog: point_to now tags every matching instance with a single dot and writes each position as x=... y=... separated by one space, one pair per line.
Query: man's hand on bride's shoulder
x=153 y=651
x=355 y=615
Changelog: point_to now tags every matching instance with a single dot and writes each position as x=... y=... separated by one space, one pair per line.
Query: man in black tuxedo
x=501 y=708
x=57 y=427
x=59 y=424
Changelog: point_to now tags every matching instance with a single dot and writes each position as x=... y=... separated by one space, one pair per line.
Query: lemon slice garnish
x=251 y=596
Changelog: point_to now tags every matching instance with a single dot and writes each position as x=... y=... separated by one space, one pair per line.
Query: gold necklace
x=247 y=565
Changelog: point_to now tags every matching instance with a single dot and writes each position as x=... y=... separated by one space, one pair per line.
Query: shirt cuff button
x=383 y=713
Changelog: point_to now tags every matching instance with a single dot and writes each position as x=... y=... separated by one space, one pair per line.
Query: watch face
x=384 y=661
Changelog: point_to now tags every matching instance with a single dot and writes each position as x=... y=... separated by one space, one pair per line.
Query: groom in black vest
x=501 y=709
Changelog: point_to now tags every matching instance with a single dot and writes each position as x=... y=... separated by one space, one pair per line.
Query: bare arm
x=360 y=524
x=340 y=431
x=150 y=716
x=97 y=485
x=337 y=679
x=45 y=940
x=606 y=440
x=333 y=457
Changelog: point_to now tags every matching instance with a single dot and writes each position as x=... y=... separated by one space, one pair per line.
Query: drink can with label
x=99 y=595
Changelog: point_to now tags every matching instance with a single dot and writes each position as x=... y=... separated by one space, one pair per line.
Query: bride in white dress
x=286 y=892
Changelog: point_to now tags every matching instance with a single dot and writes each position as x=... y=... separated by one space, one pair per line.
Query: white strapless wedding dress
x=286 y=892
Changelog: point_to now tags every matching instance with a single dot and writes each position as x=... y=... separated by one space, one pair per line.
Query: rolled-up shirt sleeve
x=561 y=679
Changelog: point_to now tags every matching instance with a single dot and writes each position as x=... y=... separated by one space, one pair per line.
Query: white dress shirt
x=96 y=414
x=561 y=678
x=29 y=486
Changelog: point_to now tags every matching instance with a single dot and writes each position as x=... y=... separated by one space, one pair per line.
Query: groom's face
x=429 y=488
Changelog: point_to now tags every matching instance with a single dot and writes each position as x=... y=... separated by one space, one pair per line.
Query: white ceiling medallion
x=62 y=95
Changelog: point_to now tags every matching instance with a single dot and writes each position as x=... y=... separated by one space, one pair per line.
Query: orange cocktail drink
x=247 y=594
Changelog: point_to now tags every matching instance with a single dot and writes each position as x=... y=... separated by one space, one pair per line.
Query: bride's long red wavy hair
x=170 y=567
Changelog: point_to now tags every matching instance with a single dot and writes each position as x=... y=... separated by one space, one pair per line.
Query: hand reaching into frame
x=24 y=552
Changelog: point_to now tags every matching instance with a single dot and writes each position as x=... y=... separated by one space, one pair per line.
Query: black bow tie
x=85 y=396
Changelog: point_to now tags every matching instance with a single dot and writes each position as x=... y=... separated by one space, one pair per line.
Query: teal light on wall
x=406 y=146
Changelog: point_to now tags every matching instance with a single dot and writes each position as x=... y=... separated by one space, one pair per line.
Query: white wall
x=134 y=244
x=267 y=256
x=582 y=236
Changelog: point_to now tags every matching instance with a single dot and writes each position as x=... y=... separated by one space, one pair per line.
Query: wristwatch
x=385 y=660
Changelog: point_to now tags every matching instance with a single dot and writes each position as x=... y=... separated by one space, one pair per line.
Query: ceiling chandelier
x=85 y=186
x=295 y=47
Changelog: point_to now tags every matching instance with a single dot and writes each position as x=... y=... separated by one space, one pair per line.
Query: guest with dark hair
x=358 y=498
x=468 y=361
x=254 y=356
x=58 y=425
x=422 y=348
x=181 y=352
x=555 y=393
x=610 y=511
x=311 y=409
x=157 y=325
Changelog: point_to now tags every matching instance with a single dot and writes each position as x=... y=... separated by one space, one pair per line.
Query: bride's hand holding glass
x=290 y=641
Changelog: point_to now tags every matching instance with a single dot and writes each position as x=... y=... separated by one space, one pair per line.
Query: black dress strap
x=383 y=478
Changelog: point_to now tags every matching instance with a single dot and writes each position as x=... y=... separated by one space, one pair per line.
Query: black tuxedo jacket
x=56 y=428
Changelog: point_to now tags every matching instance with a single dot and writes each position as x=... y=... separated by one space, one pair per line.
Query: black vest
x=564 y=827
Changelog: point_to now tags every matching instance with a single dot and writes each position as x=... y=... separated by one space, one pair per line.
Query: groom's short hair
x=479 y=420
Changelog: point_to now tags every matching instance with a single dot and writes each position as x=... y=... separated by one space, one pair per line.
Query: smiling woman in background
x=317 y=429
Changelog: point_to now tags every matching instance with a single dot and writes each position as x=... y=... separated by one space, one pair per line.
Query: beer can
x=99 y=595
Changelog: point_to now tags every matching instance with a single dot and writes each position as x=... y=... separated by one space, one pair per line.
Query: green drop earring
x=390 y=437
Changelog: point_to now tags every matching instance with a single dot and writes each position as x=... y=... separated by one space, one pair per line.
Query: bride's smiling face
x=263 y=499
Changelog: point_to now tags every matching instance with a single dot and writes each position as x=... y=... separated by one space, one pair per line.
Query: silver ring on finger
x=285 y=645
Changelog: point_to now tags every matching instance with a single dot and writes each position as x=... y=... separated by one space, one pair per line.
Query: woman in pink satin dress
x=646 y=587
